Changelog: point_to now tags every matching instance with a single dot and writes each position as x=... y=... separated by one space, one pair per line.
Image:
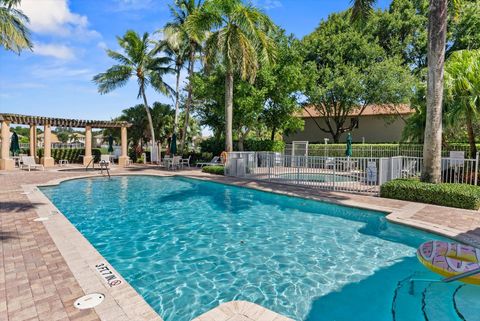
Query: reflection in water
x=123 y=190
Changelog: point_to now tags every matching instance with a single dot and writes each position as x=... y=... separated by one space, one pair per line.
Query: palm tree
x=437 y=32
x=177 y=31
x=138 y=61
x=175 y=46
x=239 y=39
x=14 y=35
x=462 y=86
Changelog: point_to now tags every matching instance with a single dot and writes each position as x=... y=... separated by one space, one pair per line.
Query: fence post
x=334 y=172
x=476 y=168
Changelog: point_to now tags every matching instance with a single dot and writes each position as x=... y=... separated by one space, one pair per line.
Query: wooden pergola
x=7 y=163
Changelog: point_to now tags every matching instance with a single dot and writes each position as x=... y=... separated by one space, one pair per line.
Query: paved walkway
x=37 y=283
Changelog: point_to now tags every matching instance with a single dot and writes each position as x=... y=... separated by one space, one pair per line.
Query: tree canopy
x=348 y=70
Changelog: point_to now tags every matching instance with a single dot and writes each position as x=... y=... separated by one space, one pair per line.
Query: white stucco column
x=33 y=140
x=123 y=159
x=6 y=163
x=88 y=145
x=47 y=159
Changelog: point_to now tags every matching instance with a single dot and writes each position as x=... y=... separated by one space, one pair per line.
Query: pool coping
x=123 y=302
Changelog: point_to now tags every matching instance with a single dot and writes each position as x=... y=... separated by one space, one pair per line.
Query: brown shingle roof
x=370 y=110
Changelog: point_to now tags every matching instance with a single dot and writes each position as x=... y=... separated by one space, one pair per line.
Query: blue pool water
x=187 y=245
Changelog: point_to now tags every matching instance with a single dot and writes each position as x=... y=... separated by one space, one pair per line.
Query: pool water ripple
x=187 y=245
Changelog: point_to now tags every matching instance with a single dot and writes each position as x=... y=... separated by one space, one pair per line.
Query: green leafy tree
x=63 y=137
x=249 y=100
x=347 y=72
x=14 y=35
x=186 y=46
x=283 y=82
x=462 y=87
x=239 y=40
x=141 y=62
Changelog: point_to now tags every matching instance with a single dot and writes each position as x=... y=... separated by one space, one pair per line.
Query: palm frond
x=14 y=35
x=115 y=77
x=361 y=9
x=119 y=57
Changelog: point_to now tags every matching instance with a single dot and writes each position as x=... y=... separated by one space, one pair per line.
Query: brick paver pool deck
x=46 y=266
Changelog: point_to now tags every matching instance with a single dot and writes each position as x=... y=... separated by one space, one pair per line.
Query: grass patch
x=214 y=169
x=445 y=194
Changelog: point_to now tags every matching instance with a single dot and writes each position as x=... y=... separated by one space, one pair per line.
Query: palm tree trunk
x=432 y=147
x=149 y=117
x=191 y=64
x=177 y=100
x=228 y=111
x=471 y=135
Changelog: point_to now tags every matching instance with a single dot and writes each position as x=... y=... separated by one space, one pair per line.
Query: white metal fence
x=371 y=150
x=353 y=174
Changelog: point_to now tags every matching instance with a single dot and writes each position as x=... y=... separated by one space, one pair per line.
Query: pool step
x=466 y=302
x=421 y=300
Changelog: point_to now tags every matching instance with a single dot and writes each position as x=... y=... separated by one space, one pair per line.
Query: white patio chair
x=214 y=161
x=29 y=162
x=409 y=169
x=185 y=161
x=105 y=159
x=175 y=162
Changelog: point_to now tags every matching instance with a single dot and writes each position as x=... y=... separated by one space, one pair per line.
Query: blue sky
x=70 y=37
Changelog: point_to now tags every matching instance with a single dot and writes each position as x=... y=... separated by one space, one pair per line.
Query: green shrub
x=214 y=169
x=215 y=146
x=71 y=154
x=445 y=194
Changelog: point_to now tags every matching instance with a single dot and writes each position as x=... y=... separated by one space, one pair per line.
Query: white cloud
x=55 y=17
x=61 y=72
x=268 y=4
x=58 y=51
x=102 y=45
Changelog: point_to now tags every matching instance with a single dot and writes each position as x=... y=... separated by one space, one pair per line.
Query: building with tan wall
x=377 y=124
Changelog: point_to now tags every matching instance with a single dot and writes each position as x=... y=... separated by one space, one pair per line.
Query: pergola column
x=6 y=162
x=33 y=140
x=123 y=159
x=47 y=159
x=88 y=146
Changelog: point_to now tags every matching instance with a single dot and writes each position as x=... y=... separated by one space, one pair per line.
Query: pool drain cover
x=40 y=219
x=89 y=301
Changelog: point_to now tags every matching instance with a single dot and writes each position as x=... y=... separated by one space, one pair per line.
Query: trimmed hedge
x=215 y=146
x=214 y=169
x=445 y=194
x=71 y=154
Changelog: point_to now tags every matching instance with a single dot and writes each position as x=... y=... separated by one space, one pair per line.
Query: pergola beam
x=61 y=122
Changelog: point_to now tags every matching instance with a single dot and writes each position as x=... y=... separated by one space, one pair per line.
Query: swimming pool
x=187 y=245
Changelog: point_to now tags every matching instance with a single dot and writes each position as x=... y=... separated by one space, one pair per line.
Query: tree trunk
x=471 y=135
x=241 y=139
x=432 y=147
x=191 y=65
x=272 y=137
x=177 y=100
x=228 y=111
x=150 y=122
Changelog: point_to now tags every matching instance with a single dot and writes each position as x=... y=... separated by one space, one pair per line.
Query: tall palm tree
x=176 y=46
x=239 y=39
x=437 y=32
x=139 y=61
x=14 y=35
x=462 y=86
x=176 y=29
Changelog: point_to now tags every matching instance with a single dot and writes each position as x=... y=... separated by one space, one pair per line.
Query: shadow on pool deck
x=14 y=206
